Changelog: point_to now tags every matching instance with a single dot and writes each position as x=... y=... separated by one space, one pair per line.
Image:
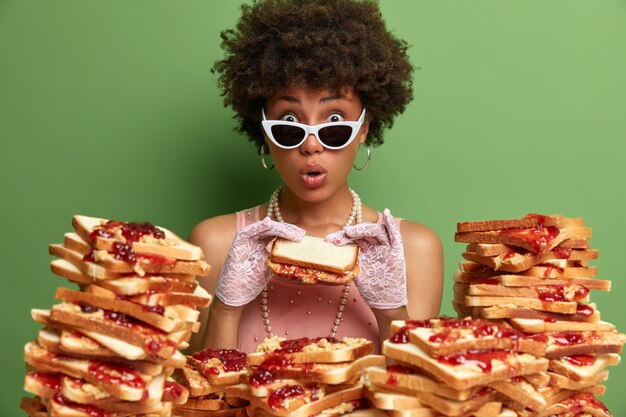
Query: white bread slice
x=220 y=367
x=582 y=402
x=130 y=388
x=494 y=249
x=200 y=298
x=514 y=261
x=171 y=245
x=320 y=350
x=329 y=373
x=520 y=391
x=91 y=269
x=567 y=292
x=526 y=281
x=409 y=380
x=527 y=222
x=562 y=307
x=389 y=400
x=541 y=326
x=469 y=374
x=127 y=285
x=317 y=253
x=159 y=345
x=583 y=343
x=145 y=262
x=300 y=407
x=481 y=336
x=550 y=272
x=583 y=368
x=563 y=382
x=536 y=240
x=167 y=322
x=284 y=406
x=584 y=313
x=196 y=383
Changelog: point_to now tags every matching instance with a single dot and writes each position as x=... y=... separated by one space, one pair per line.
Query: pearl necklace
x=356 y=216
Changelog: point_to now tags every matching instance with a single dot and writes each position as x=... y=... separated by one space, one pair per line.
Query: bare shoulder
x=214 y=231
x=419 y=237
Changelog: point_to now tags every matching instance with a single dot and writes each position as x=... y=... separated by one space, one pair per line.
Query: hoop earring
x=369 y=158
x=262 y=152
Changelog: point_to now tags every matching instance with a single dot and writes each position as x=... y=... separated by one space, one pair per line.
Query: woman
x=310 y=82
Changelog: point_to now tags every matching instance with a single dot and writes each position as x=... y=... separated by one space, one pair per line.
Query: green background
x=109 y=109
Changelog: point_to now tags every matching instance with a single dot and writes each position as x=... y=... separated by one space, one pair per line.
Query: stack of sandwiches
x=109 y=348
x=533 y=274
x=306 y=377
x=207 y=375
x=456 y=367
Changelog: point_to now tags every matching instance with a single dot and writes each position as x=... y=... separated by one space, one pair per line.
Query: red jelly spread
x=552 y=293
x=232 y=359
x=90 y=410
x=51 y=381
x=277 y=398
x=566 y=339
x=541 y=219
x=584 y=310
x=580 y=360
x=116 y=374
x=549 y=319
x=578 y=402
x=261 y=377
x=296 y=345
x=132 y=231
x=539 y=238
x=480 y=358
x=173 y=390
x=401 y=336
x=562 y=253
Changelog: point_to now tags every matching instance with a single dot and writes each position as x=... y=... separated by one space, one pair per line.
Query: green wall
x=109 y=109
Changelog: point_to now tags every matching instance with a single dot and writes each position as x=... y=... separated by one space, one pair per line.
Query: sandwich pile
x=109 y=348
x=533 y=275
x=457 y=367
x=306 y=377
x=207 y=375
x=314 y=260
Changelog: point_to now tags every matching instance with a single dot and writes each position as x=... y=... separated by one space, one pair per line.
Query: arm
x=219 y=329
x=423 y=253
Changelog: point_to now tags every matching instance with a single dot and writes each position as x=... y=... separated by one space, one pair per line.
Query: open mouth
x=313 y=173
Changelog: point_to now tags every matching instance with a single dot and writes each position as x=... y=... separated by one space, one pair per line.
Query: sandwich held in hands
x=313 y=259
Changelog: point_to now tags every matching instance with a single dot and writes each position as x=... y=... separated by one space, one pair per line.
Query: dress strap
x=248 y=216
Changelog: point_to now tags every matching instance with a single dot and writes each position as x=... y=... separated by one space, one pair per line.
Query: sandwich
x=313 y=260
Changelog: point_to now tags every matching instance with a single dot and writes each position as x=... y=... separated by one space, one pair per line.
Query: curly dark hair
x=331 y=44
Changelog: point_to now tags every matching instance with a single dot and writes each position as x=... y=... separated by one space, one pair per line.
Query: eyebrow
x=323 y=100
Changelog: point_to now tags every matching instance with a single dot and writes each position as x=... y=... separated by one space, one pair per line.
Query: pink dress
x=304 y=310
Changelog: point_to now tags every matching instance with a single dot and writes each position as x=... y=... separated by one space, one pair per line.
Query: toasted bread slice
x=537 y=240
x=546 y=293
x=501 y=363
x=163 y=318
x=409 y=380
x=220 y=367
x=284 y=400
x=509 y=280
x=584 y=313
x=136 y=262
x=147 y=238
x=514 y=261
x=578 y=403
x=122 y=382
x=583 y=343
x=520 y=391
x=447 y=336
x=132 y=285
x=529 y=221
x=157 y=344
x=326 y=373
x=62 y=407
x=563 y=382
x=494 y=249
x=306 y=350
x=541 y=326
x=182 y=411
x=390 y=400
x=582 y=368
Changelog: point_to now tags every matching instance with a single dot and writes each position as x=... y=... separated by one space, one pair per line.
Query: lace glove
x=382 y=281
x=245 y=272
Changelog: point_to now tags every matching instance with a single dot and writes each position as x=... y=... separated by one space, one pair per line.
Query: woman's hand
x=244 y=274
x=382 y=281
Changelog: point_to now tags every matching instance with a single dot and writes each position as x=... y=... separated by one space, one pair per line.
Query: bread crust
x=311 y=275
x=527 y=222
x=322 y=351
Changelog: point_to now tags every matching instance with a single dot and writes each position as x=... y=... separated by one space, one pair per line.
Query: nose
x=311 y=145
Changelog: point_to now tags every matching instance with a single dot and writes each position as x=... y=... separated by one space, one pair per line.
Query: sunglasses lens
x=335 y=136
x=287 y=135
